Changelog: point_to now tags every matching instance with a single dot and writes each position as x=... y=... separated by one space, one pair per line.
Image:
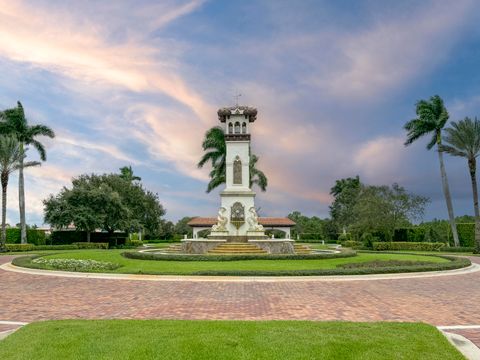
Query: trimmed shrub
x=20 y=247
x=34 y=236
x=454 y=263
x=62 y=237
x=344 y=237
x=91 y=245
x=56 y=247
x=459 y=249
x=351 y=244
x=134 y=243
x=417 y=246
x=466 y=234
x=201 y=257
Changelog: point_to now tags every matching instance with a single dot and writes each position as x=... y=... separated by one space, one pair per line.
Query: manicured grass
x=167 y=339
x=133 y=266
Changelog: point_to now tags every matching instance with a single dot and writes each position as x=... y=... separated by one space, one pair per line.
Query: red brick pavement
x=449 y=300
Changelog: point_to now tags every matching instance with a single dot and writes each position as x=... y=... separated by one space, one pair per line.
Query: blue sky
x=139 y=82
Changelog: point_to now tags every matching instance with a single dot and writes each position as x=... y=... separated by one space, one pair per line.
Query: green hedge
x=466 y=234
x=417 y=246
x=90 y=245
x=200 y=257
x=65 y=237
x=454 y=263
x=31 y=247
x=351 y=244
x=20 y=247
x=458 y=249
x=34 y=236
x=135 y=243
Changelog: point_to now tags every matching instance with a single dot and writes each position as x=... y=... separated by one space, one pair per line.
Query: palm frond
x=40 y=148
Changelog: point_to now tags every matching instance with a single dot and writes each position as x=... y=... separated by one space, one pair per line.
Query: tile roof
x=265 y=221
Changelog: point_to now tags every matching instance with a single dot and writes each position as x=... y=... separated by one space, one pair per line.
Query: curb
x=189 y=278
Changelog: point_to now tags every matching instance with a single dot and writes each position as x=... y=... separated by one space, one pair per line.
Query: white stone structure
x=237 y=197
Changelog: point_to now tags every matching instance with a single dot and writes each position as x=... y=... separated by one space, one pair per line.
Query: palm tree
x=126 y=173
x=16 y=124
x=215 y=149
x=431 y=119
x=257 y=176
x=463 y=139
x=11 y=159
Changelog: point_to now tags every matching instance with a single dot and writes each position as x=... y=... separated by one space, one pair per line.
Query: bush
x=20 y=247
x=90 y=245
x=75 y=264
x=417 y=246
x=311 y=236
x=454 y=263
x=352 y=244
x=466 y=234
x=344 y=237
x=135 y=243
x=201 y=257
x=34 y=236
x=459 y=249
x=368 y=239
x=62 y=237
x=56 y=247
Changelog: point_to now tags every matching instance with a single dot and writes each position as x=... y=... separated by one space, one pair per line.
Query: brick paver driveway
x=448 y=300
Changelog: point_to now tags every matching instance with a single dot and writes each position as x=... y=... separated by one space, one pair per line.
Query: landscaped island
x=114 y=261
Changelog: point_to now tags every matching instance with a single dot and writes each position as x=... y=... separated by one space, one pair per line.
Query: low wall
x=200 y=246
x=275 y=246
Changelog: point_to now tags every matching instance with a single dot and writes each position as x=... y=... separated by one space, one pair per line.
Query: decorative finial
x=236 y=97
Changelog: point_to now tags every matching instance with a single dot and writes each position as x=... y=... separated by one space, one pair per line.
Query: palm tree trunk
x=21 y=201
x=4 y=213
x=472 y=165
x=448 y=199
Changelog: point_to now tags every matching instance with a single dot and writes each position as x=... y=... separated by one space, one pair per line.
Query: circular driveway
x=445 y=300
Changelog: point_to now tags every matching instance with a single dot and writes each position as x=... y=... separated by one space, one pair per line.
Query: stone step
x=237 y=248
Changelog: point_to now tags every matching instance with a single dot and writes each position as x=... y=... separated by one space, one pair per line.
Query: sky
x=139 y=83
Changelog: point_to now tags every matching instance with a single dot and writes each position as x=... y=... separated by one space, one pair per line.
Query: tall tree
x=16 y=124
x=11 y=156
x=382 y=209
x=345 y=193
x=432 y=116
x=215 y=149
x=126 y=173
x=462 y=139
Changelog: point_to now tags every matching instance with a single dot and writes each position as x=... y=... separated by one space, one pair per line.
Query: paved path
x=447 y=300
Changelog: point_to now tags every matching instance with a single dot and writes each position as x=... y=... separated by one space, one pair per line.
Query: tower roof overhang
x=250 y=113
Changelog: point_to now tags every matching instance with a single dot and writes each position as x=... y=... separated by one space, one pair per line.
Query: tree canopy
x=108 y=202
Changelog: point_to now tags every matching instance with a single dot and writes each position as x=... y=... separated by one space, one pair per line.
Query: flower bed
x=75 y=265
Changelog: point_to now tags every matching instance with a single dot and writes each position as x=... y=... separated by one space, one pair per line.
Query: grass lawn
x=177 y=339
x=132 y=266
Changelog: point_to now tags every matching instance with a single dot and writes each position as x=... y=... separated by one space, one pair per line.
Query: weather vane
x=236 y=97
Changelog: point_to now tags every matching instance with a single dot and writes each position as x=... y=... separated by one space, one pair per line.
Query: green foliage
x=344 y=237
x=215 y=149
x=181 y=227
x=367 y=240
x=194 y=257
x=466 y=234
x=454 y=263
x=62 y=237
x=20 y=247
x=90 y=245
x=345 y=193
x=310 y=228
x=108 y=202
x=382 y=209
x=36 y=237
x=75 y=264
x=417 y=246
x=351 y=244
x=135 y=243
